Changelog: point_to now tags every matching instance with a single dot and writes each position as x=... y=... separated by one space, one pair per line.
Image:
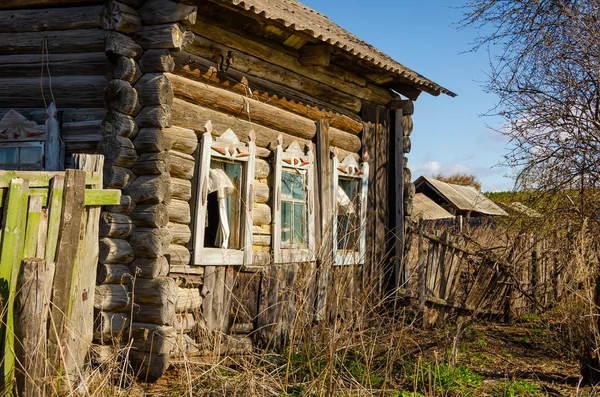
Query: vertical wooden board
x=70 y=229
x=245 y=298
x=262 y=325
x=400 y=277
x=208 y=288
x=10 y=260
x=219 y=298
x=82 y=310
x=368 y=145
x=55 y=200
x=290 y=299
x=42 y=234
x=381 y=196
x=33 y=227
x=32 y=305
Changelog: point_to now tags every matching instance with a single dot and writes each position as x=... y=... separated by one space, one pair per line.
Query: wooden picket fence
x=48 y=259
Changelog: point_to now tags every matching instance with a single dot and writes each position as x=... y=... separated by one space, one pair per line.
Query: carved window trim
x=18 y=132
x=293 y=158
x=349 y=168
x=229 y=148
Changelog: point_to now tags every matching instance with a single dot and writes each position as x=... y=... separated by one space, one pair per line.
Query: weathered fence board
x=55 y=222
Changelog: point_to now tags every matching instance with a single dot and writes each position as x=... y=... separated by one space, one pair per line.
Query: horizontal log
x=407 y=173
x=188 y=115
x=154 y=116
x=261 y=192
x=69 y=115
x=116 y=123
x=156 y=163
x=156 y=61
x=70 y=64
x=181 y=139
x=258 y=67
x=158 y=340
x=150 y=189
x=150 y=243
x=265 y=114
x=110 y=326
x=407 y=125
x=178 y=255
x=181 y=189
x=154 y=313
x=81 y=131
x=60 y=41
x=171 y=36
x=150 y=215
x=117 y=177
x=181 y=165
x=406 y=105
x=181 y=234
x=149 y=267
x=262 y=169
x=111 y=298
x=188 y=299
x=406 y=144
x=185 y=322
x=150 y=366
x=118 y=151
x=125 y=206
x=332 y=77
x=261 y=215
x=179 y=211
x=115 y=251
x=165 y=11
x=115 y=225
x=151 y=140
x=261 y=241
x=120 y=96
x=157 y=290
x=261 y=231
x=113 y=274
x=20 y=4
x=242 y=328
x=67 y=91
x=154 y=89
x=120 y=17
x=120 y=44
x=204 y=70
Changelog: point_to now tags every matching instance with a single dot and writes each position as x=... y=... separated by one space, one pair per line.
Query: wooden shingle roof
x=301 y=18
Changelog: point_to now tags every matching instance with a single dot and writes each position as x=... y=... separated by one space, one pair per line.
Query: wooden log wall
x=64 y=43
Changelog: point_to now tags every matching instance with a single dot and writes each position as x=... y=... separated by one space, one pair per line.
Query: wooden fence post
x=12 y=249
x=70 y=229
x=31 y=319
x=325 y=216
x=421 y=267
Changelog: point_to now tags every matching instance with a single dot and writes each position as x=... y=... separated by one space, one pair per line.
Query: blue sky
x=450 y=134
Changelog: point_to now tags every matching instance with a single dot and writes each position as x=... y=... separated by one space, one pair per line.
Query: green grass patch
x=516 y=389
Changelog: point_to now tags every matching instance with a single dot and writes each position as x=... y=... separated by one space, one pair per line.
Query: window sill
x=221 y=257
x=349 y=258
x=287 y=255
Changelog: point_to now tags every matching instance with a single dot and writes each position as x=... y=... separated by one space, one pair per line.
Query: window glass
x=230 y=225
x=30 y=155
x=293 y=208
x=8 y=155
x=348 y=230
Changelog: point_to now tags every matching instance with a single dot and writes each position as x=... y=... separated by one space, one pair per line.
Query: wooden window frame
x=349 y=168
x=293 y=157
x=23 y=144
x=227 y=147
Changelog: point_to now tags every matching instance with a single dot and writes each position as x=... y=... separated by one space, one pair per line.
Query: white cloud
x=429 y=168
x=432 y=168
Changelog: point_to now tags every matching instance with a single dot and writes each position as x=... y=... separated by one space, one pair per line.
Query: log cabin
x=253 y=141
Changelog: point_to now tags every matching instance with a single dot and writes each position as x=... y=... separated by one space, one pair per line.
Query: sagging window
x=224 y=200
x=350 y=182
x=293 y=212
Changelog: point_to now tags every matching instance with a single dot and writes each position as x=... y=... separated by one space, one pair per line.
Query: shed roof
x=464 y=198
x=301 y=18
x=426 y=208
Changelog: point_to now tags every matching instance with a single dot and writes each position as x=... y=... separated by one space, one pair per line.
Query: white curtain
x=345 y=205
x=219 y=182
